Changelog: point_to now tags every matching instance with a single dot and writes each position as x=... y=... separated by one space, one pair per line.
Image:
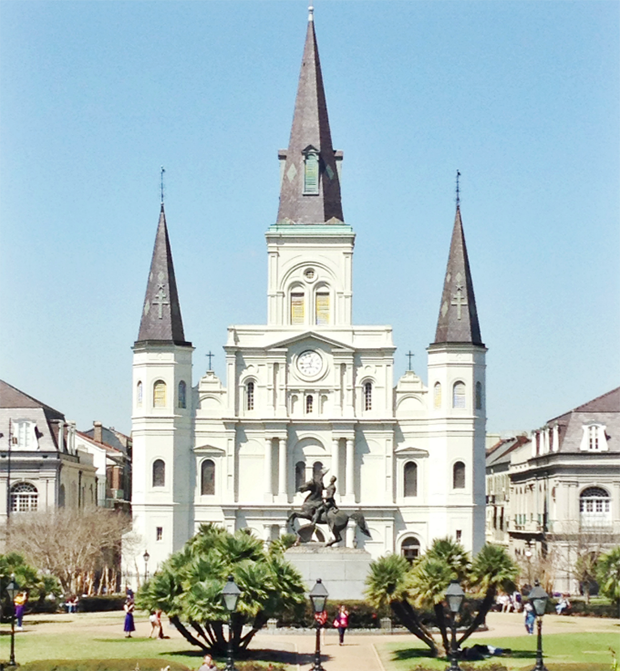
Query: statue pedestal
x=342 y=570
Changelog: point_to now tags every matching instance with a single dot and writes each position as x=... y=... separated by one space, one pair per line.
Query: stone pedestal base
x=342 y=570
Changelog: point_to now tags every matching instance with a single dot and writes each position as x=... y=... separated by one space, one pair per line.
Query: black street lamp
x=146 y=556
x=318 y=597
x=230 y=596
x=12 y=589
x=538 y=598
x=454 y=597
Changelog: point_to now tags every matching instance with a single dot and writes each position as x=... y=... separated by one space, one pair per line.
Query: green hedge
x=583 y=609
x=361 y=615
x=96 y=604
x=102 y=665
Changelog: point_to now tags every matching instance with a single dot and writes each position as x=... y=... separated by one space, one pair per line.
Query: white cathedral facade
x=309 y=389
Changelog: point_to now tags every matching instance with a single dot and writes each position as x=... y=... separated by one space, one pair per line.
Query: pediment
x=310 y=335
x=409 y=451
x=212 y=449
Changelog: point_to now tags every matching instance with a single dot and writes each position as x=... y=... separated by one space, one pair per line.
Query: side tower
x=457 y=416
x=162 y=411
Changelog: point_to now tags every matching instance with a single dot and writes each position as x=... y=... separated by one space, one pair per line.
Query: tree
x=37 y=584
x=585 y=572
x=423 y=585
x=188 y=587
x=608 y=574
x=76 y=546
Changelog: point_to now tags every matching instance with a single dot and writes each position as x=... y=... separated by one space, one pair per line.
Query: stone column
x=350 y=534
x=335 y=466
x=268 y=471
x=350 y=470
x=282 y=468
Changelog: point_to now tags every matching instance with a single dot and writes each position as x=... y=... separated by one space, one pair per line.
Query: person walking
x=342 y=622
x=20 y=606
x=530 y=618
x=129 y=608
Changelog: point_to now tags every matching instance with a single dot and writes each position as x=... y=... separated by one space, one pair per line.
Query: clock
x=309 y=363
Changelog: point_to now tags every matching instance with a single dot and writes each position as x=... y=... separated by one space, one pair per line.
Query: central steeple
x=310 y=189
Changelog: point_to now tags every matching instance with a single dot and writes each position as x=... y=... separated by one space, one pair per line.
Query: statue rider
x=328 y=502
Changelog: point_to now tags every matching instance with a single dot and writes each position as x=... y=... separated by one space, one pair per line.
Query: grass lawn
x=83 y=642
x=564 y=652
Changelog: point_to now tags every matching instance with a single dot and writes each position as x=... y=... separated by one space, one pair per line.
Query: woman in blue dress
x=129 y=609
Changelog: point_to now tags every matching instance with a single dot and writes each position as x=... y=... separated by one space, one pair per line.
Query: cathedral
x=309 y=390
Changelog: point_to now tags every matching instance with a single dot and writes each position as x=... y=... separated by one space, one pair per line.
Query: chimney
x=98 y=432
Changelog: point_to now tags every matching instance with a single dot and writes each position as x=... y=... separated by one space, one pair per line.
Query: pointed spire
x=161 y=315
x=310 y=190
x=458 y=318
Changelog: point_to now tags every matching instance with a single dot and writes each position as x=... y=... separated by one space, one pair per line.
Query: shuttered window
x=159 y=394
x=322 y=309
x=297 y=308
x=311 y=173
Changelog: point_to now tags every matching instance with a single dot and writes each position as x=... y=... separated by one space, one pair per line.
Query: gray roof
x=11 y=397
x=161 y=315
x=310 y=130
x=109 y=438
x=501 y=452
x=458 y=317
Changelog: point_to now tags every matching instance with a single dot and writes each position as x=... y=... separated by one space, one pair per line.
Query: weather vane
x=161 y=183
x=458 y=189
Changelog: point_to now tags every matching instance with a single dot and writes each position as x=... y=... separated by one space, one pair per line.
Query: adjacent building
x=41 y=466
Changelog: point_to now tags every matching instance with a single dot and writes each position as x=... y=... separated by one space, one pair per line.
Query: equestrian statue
x=319 y=507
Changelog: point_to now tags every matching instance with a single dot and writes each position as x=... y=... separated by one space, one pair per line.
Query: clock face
x=309 y=363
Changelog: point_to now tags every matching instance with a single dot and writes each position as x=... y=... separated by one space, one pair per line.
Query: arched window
x=458 y=475
x=300 y=474
x=24 y=498
x=309 y=404
x=249 y=395
x=595 y=507
x=458 y=395
x=437 y=395
x=139 y=393
x=297 y=307
x=182 y=400
x=410 y=549
x=321 y=308
x=478 y=395
x=368 y=396
x=207 y=478
x=317 y=467
x=410 y=479
x=159 y=473
x=159 y=394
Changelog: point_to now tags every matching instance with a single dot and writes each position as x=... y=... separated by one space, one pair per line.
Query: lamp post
x=538 y=598
x=12 y=589
x=230 y=596
x=454 y=597
x=146 y=556
x=318 y=597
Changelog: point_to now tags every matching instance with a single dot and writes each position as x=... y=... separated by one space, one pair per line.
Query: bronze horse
x=336 y=519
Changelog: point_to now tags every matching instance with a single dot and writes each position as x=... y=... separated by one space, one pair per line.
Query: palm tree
x=386 y=584
x=188 y=587
x=492 y=570
x=608 y=574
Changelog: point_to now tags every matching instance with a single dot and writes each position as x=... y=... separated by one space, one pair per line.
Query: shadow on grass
x=412 y=653
x=288 y=657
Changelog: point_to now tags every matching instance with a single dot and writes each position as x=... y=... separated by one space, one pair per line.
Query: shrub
x=102 y=665
x=361 y=615
x=96 y=604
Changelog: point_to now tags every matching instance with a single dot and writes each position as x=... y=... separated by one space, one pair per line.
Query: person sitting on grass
x=207 y=664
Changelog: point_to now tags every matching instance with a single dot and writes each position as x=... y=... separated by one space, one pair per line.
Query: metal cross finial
x=458 y=189
x=160 y=300
x=310 y=13
x=410 y=354
x=210 y=355
x=162 y=183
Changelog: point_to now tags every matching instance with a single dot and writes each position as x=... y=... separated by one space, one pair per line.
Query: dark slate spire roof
x=161 y=315
x=458 y=318
x=310 y=131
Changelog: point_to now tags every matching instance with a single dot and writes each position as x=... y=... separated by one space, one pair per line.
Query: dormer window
x=594 y=438
x=311 y=172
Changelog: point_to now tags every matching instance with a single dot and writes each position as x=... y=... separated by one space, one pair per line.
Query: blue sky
x=522 y=97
